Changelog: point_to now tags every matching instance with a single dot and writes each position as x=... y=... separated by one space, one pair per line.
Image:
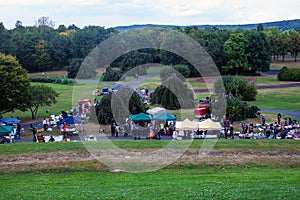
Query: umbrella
x=209 y=124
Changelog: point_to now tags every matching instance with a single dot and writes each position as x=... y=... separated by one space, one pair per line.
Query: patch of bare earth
x=87 y=160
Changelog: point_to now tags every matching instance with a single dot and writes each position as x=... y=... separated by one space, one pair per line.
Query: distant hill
x=282 y=25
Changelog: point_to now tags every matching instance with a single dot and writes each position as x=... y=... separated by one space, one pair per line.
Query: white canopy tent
x=186 y=125
x=209 y=124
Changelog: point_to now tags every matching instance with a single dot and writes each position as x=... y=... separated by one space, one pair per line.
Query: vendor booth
x=6 y=134
x=140 y=125
x=71 y=123
x=10 y=121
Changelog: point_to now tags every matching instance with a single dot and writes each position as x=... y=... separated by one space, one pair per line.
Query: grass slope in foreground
x=162 y=184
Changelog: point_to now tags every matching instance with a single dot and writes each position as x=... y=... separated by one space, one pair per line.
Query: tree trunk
x=33 y=112
x=283 y=58
x=296 y=54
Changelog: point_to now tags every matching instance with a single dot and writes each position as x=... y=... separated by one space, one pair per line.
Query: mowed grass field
x=279 y=98
x=265 y=177
x=163 y=184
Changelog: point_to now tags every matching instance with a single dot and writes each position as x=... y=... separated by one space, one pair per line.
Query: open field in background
x=51 y=73
x=289 y=62
x=281 y=98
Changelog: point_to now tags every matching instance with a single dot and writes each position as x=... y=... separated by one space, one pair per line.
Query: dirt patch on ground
x=87 y=160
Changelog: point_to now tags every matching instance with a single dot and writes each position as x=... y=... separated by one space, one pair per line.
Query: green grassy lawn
x=235 y=145
x=93 y=180
x=65 y=99
x=282 y=99
x=64 y=102
x=163 y=184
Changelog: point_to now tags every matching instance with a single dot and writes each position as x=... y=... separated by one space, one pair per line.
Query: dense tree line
x=44 y=48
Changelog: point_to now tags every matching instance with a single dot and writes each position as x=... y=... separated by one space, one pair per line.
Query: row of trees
x=44 y=48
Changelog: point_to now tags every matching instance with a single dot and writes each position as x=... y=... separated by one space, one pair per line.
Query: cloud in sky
x=126 y=12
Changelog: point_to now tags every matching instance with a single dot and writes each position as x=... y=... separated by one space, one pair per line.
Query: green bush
x=238 y=110
x=64 y=81
x=168 y=71
x=289 y=74
x=238 y=86
x=183 y=70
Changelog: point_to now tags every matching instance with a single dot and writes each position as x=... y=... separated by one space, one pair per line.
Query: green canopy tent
x=7 y=130
x=137 y=132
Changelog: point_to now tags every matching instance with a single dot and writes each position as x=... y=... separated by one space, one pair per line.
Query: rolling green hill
x=282 y=25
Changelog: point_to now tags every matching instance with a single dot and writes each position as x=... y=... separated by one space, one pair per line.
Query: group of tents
x=160 y=115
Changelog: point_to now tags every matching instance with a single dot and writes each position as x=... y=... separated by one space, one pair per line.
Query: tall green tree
x=284 y=44
x=237 y=86
x=73 y=67
x=42 y=58
x=259 y=51
x=295 y=43
x=173 y=94
x=41 y=95
x=119 y=105
x=14 y=85
x=5 y=40
x=235 y=51
x=273 y=37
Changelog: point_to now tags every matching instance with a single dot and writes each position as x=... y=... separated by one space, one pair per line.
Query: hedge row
x=51 y=79
x=289 y=74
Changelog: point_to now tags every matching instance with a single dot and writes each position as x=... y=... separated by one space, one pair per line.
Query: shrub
x=183 y=70
x=289 y=74
x=168 y=71
x=238 y=110
x=237 y=86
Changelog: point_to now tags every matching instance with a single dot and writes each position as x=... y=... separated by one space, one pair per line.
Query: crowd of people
x=280 y=129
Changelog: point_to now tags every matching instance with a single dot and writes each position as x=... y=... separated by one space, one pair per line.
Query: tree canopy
x=14 y=85
x=41 y=95
x=119 y=105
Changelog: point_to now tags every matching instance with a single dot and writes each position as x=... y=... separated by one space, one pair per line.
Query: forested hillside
x=281 y=25
x=45 y=48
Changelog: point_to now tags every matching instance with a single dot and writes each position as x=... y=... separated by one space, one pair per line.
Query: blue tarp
x=72 y=120
x=117 y=86
x=10 y=120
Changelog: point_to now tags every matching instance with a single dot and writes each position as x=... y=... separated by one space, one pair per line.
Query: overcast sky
x=110 y=13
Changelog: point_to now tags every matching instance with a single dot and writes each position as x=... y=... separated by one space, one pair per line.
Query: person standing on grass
x=278 y=118
x=45 y=124
x=263 y=120
x=231 y=132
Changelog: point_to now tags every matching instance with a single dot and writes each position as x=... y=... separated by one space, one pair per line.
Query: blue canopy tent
x=164 y=117
x=73 y=120
x=10 y=120
x=140 y=117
